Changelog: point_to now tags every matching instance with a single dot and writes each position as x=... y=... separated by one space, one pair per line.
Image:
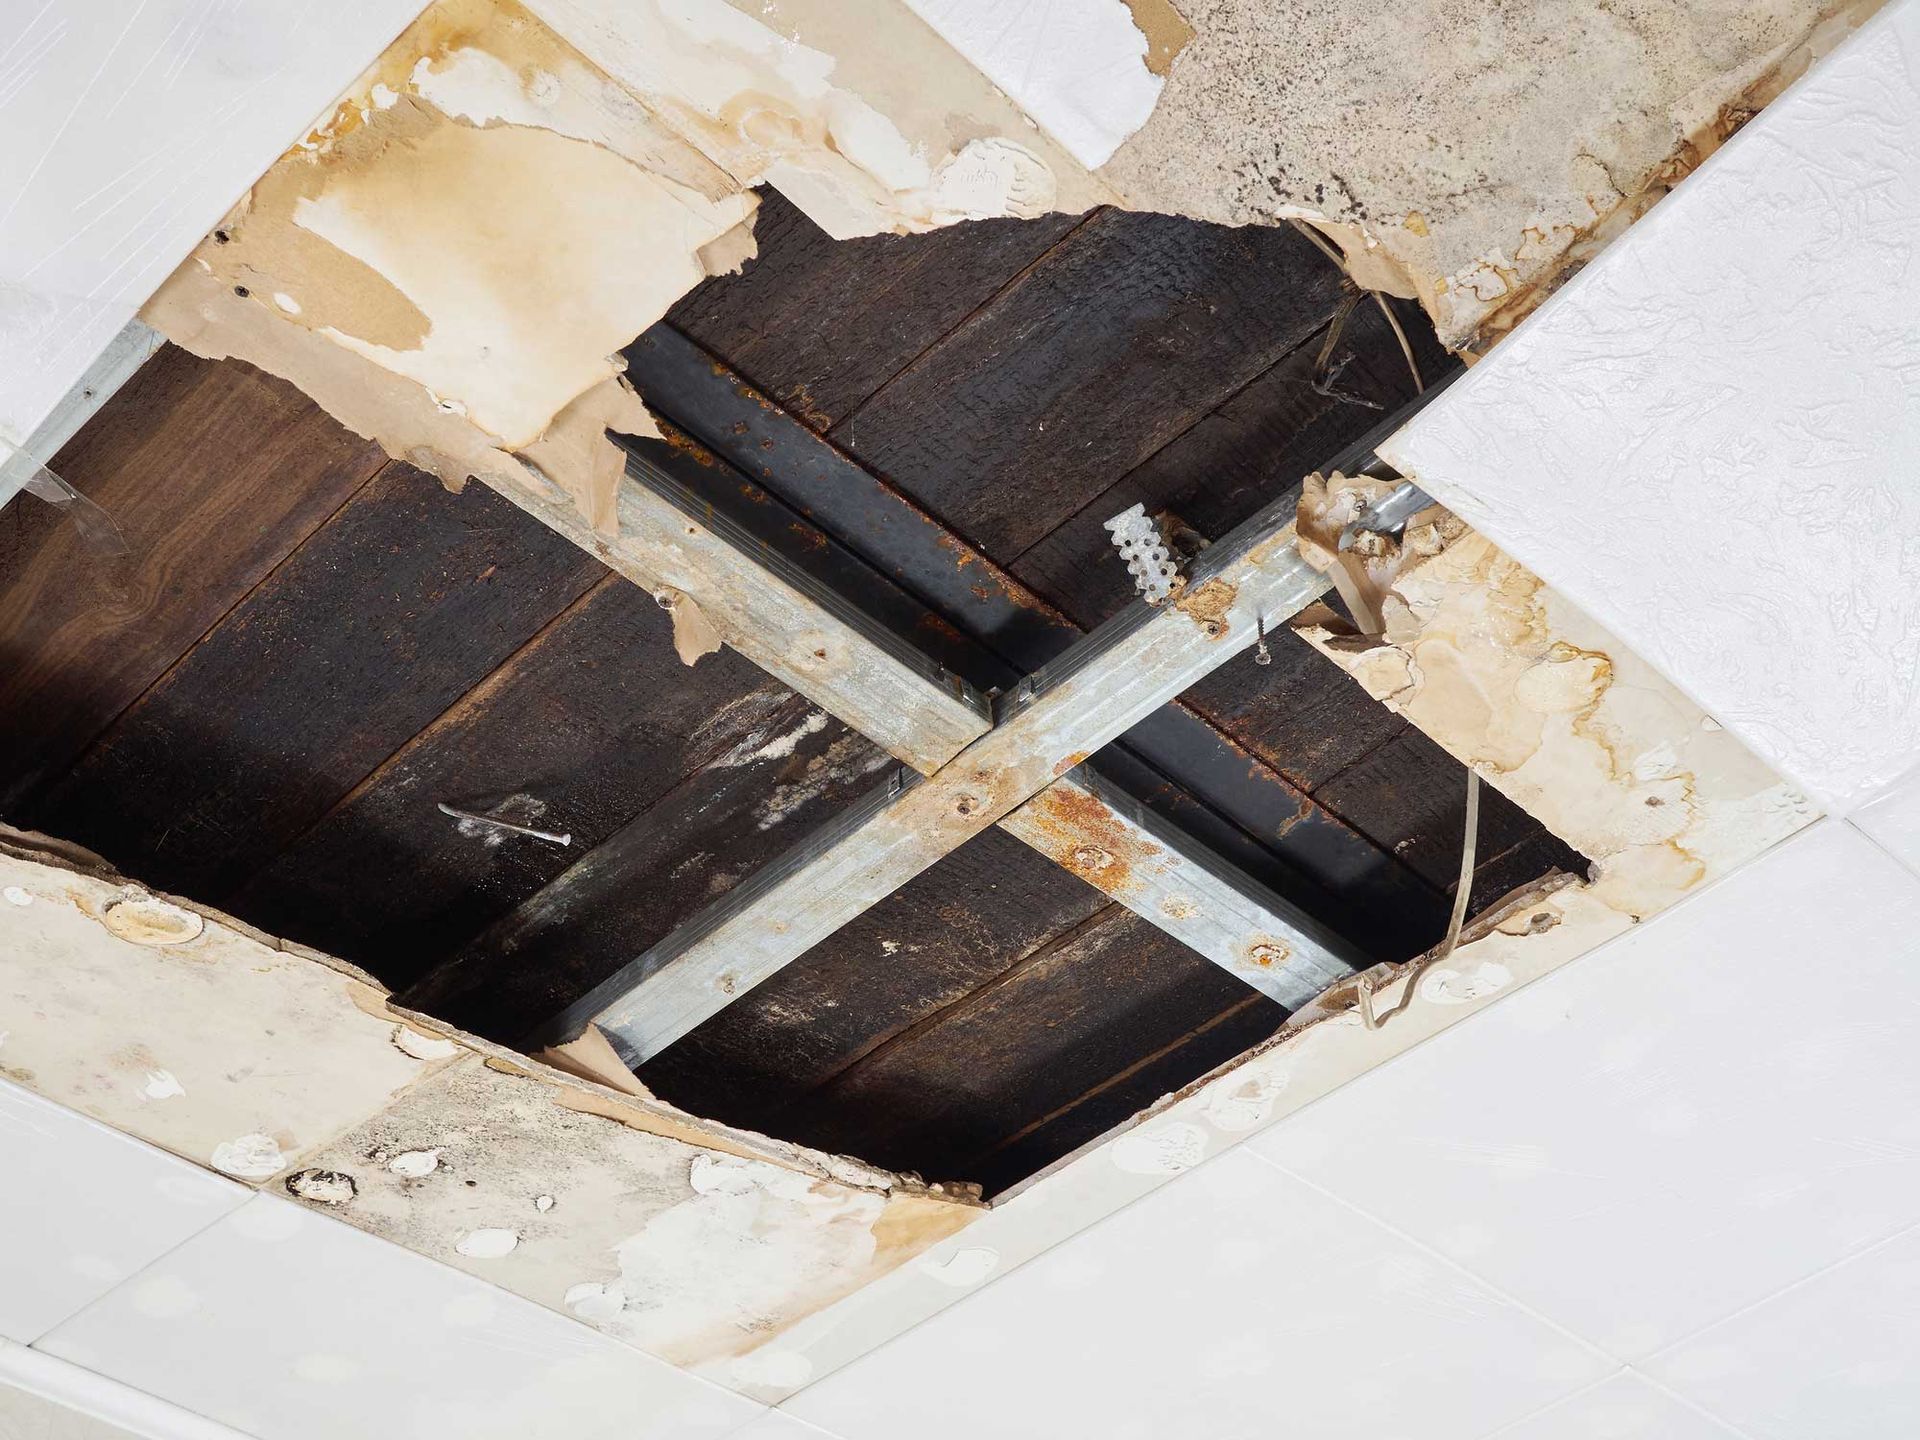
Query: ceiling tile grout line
x=1859 y=1253
x=1458 y=1266
x=1507 y=1427
x=1878 y=844
x=1686 y=1404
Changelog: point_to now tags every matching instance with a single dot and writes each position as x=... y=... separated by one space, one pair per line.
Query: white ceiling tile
x=83 y=1207
x=1622 y=1407
x=778 y=1425
x=1894 y=821
x=1832 y=1359
x=1230 y=1302
x=1714 y=1105
x=1707 y=439
x=291 y=1326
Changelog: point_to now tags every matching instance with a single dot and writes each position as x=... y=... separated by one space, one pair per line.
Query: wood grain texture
x=396 y=607
x=819 y=325
x=1116 y=342
x=1051 y=1034
x=1410 y=796
x=748 y=806
x=213 y=473
x=936 y=939
x=590 y=722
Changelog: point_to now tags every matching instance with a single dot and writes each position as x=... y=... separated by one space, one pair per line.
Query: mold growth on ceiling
x=1466 y=156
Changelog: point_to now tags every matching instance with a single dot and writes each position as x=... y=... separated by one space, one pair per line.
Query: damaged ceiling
x=750 y=867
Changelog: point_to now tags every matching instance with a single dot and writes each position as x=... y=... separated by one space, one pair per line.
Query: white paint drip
x=413 y=1164
x=1161 y=1150
x=162 y=1086
x=249 y=1157
x=487 y=1244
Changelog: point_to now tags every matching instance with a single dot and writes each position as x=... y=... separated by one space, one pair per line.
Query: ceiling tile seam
x=406 y=1256
x=1661 y=1388
x=1819 y=1273
x=245 y=1196
x=1878 y=844
x=1518 y=1421
x=1497 y=1291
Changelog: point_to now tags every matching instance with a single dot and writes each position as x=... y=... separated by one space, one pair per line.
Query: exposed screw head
x=1091 y=857
x=966 y=805
x=1268 y=952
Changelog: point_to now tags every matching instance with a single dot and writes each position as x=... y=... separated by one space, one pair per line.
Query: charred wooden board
x=587 y=725
x=785 y=769
x=214 y=474
x=1066 y=1031
x=932 y=942
x=396 y=607
x=821 y=324
x=1113 y=344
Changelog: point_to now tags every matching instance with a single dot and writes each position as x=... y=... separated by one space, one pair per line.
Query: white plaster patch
x=1446 y=986
x=161 y=1085
x=964 y=1267
x=16 y=896
x=1160 y=1149
x=595 y=1303
x=413 y=1164
x=148 y=920
x=489 y=1244
x=1245 y=1105
x=423 y=1047
x=249 y=1157
x=322 y=1187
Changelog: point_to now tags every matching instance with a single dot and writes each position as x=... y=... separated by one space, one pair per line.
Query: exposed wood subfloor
x=311 y=648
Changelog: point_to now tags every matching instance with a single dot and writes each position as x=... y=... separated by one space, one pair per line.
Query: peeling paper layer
x=450 y=263
x=855 y=110
x=1468 y=157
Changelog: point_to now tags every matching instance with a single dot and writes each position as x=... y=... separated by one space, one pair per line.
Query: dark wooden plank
x=1253 y=448
x=1120 y=338
x=584 y=727
x=700 y=839
x=1054 y=1032
x=1411 y=796
x=942 y=935
x=396 y=607
x=214 y=473
x=820 y=324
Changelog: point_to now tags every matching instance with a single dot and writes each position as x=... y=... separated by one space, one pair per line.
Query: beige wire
x=1462 y=892
x=1332 y=253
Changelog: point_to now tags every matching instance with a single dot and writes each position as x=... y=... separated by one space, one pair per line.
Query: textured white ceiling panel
x=1710 y=439
x=127 y=127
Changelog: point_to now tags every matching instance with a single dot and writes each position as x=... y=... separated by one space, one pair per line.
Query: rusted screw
x=1261 y=655
x=1091 y=857
x=1268 y=952
x=966 y=805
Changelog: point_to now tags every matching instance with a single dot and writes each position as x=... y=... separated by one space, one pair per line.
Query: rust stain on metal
x=1078 y=832
x=1210 y=604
